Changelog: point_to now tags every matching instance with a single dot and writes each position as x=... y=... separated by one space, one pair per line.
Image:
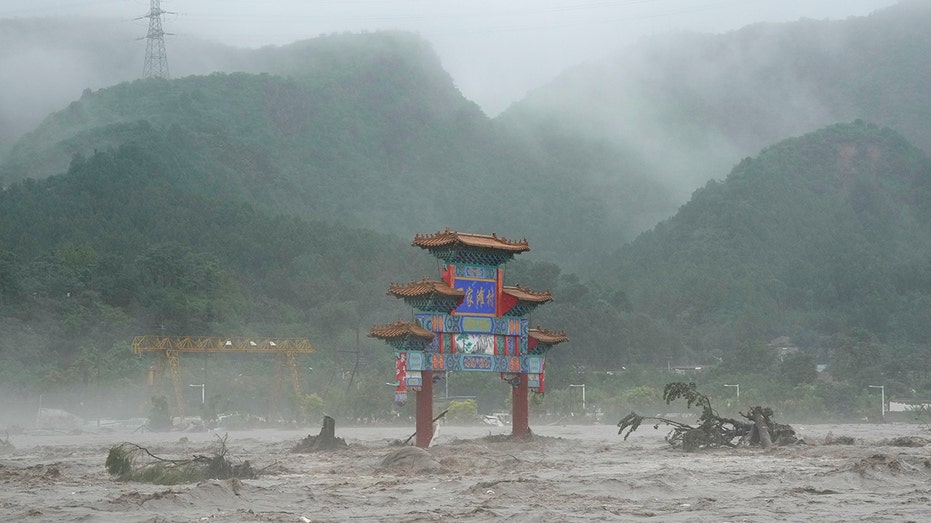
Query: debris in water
x=122 y=463
x=325 y=440
x=714 y=431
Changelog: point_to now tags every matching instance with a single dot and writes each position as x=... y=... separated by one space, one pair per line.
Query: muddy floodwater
x=565 y=473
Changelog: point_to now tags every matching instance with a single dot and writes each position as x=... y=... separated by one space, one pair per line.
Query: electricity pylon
x=156 y=59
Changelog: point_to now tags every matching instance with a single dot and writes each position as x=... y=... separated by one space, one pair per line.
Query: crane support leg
x=175 y=372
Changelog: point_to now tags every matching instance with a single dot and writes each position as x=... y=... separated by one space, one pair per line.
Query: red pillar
x=425 y=410
x=520 y=408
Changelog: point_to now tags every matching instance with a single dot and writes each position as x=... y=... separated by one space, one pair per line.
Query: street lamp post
x=882 y=397
x=203 y=397
x=583 y=395
x=738 y=389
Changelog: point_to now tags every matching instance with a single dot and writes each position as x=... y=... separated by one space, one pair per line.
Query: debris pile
x=5 y=446
x=123 y=463
x=713 y=431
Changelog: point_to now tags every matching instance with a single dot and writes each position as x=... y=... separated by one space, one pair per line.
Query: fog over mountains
x=686 y=108
x=692 y=198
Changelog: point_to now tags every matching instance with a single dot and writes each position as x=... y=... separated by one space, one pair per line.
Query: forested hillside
x=821 y=238
x=364 y=129
x=142 y=238
x=622 y=143
x=131 y=241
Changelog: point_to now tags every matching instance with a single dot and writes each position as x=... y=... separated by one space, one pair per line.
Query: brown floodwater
x=565 y=473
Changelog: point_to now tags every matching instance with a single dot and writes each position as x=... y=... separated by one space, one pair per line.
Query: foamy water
x=565 y=473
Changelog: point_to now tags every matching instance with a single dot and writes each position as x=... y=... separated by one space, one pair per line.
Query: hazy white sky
x=495 y=50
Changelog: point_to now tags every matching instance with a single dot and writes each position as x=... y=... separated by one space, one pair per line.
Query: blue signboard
x=480 y=296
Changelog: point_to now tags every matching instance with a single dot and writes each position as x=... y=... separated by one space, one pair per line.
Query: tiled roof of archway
x=448 y=238
x=528 y=295
x=547 y=337
x=400 y=329
x=424 y=287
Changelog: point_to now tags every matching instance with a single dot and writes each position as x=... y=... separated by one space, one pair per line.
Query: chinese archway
x=468 y=320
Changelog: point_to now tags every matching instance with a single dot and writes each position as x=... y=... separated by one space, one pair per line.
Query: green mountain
x=368 y=130
x=622 y=144
x=817 y=236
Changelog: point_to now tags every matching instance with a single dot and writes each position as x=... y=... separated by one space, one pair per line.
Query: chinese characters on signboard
x=479 y=296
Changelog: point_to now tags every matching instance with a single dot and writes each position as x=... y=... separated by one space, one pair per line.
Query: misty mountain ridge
x=635 y=137
x=368 y=130
x=48 y=62
x=320 y=63
x=815 y=236
x=685 y=107
x=45 y=63
x=263 y=142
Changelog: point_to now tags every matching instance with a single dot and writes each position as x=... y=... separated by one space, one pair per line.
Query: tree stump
x=325 y=440
x=762 y=428
x=327 y=437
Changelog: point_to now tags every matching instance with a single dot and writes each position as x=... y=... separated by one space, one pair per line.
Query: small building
x=909 y=405
x=782 y=346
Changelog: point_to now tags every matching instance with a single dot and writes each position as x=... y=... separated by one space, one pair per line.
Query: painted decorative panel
x=414 y=380
x=474 y=324
x=534 y=364
x=415 y=361
x=474 y=362
x=476 y=272
x=475 y=343
x=534 y=382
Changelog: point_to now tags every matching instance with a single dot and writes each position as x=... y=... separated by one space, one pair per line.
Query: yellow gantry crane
x=168 y=349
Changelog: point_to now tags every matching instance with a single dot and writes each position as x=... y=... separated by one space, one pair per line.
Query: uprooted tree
x=713 y=431
x=132 y=462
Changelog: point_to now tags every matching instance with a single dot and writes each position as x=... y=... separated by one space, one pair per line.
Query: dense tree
x=798 y=368
x=857 y=358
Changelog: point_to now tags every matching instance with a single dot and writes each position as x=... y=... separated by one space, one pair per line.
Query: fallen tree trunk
x=761 y=427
